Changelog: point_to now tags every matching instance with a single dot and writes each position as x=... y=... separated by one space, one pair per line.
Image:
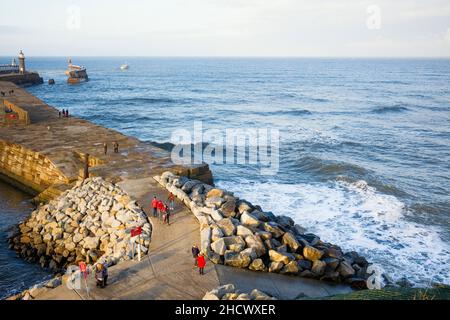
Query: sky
x=314 y=28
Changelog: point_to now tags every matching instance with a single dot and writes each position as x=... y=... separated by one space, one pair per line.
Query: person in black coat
x=195 y=252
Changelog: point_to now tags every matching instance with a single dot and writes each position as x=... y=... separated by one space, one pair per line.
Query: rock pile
x=237 y=233
x=90 y=222
x=229 y=292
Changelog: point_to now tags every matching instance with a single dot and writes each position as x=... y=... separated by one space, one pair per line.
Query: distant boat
x=124 y=67
x=76 y=73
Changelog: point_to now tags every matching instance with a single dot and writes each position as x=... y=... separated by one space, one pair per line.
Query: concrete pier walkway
x=167 y=272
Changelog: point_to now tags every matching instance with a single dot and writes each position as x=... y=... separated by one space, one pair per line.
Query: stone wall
x=29 y=78
x=29 y=168
x=21 y=114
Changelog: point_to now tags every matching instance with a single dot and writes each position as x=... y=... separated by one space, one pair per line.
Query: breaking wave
x=357 y=217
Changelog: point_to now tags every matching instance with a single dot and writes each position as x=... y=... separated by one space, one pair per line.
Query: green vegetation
x=437 y=292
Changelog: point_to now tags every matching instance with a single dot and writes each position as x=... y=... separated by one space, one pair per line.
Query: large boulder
x=276 y=256
x=318 y=267
x=275 y=266
x=249 y=220
x=228 y=208
x=290 y=240
x=304 y=264
x=250 y=252
x=259 y=295
x=205 y=239
x=290 y=268
x=332 y=263
x=219 y=246
x=345 y=269
x=216 y=233
x=235 y=259
x=312 y=253
x=227 y=226
x=234 y=243
x=243 y=231
x=91 y=242
x=244 y=206
x=188 y=185
x=257 y=265
x=255 y=242
x=214 y=202
x=273 y=228
x=215 y=192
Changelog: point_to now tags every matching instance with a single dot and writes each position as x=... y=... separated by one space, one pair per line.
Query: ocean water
x=364 y=143
x=16 y=274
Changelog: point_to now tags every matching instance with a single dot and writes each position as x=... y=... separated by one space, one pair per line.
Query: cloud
x=447 y=35
x=9 y=30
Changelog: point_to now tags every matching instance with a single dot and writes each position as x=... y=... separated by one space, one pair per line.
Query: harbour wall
x=27 y=169
x=29 y=78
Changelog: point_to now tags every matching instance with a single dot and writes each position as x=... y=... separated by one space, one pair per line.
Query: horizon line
x=232 y=57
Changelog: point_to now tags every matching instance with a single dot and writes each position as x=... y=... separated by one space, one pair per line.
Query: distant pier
x=18 y=74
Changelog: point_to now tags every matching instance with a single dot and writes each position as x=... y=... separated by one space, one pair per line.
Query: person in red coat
x=155 y=206
x=161 y=208
x=201 y=262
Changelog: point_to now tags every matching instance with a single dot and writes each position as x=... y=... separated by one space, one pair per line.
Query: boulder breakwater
x=90 y=222
x=236 y=233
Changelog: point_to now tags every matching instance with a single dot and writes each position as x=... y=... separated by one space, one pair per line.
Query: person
x=160 y=205
x=83 y=269
x=105 y=275
x=105 y=148
x=155 y=206
x=167 y=215
x=163 y=210
x=59 y=114
x=116 y=147
x=201 y=262
x=195 y=252
x=171 y=199
x=67 y=113
x=101 y=275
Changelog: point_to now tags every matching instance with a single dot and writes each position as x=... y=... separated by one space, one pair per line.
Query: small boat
x=124 y=67
x=76 y=73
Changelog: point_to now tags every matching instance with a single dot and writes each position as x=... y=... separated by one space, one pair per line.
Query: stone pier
x=46 y=156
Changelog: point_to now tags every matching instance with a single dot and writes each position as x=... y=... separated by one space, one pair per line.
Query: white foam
x=357 y=217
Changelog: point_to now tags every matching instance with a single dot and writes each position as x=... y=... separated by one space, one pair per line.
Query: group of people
x=100 y=273
x=161 y=210
x=10 y=92
x=199 y=259
x=115 y=147
x=64 y=113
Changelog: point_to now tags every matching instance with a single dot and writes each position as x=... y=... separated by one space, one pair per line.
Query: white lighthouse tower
x=21 y=62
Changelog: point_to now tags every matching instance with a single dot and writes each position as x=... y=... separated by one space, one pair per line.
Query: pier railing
x=7 y=68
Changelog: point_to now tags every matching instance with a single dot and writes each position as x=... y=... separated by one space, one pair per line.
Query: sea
x=364 y=144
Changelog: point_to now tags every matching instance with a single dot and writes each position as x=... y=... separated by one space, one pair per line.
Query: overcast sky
x=354 y=28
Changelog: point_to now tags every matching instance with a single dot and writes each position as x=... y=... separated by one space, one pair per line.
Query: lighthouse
x=21 y=62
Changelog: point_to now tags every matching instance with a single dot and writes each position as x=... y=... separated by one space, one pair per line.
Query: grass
x=437 y=292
